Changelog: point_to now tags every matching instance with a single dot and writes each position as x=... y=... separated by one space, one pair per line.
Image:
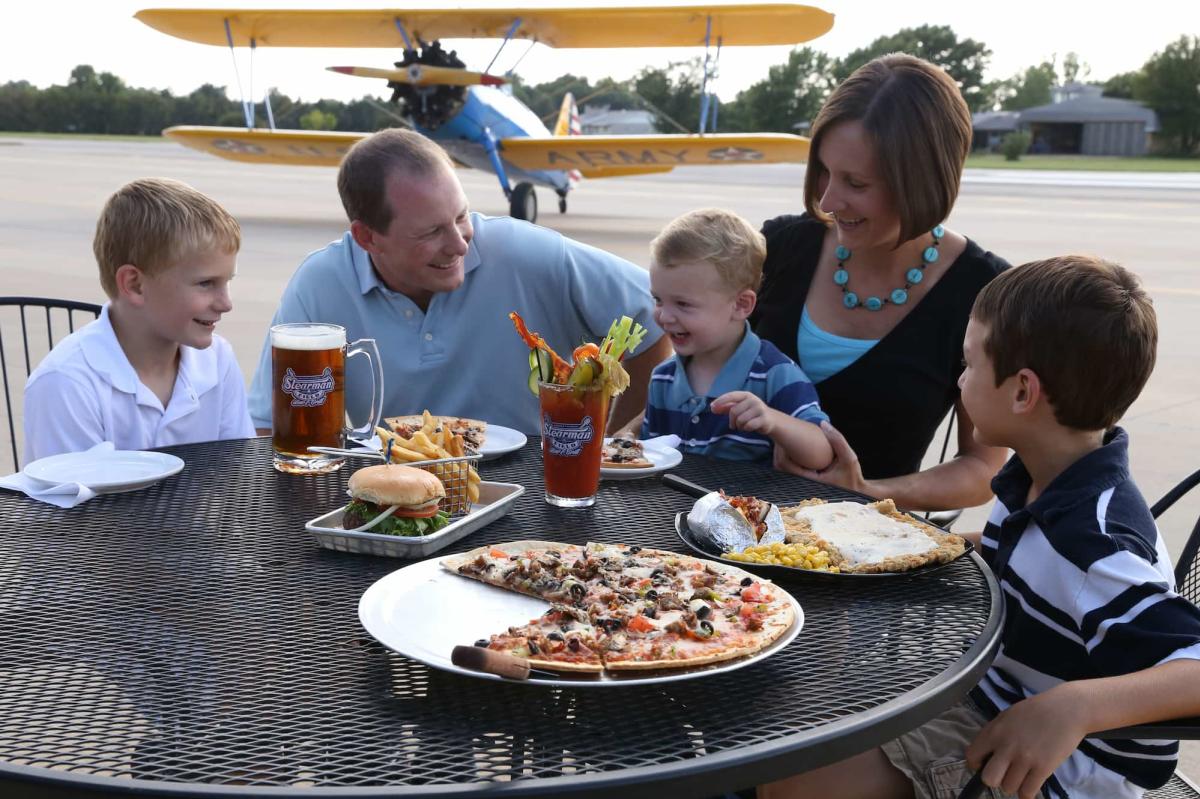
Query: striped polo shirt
x=1088 y=592
x=755 y=366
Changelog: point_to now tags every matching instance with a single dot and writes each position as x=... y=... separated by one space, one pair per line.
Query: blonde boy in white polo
x=150 y=371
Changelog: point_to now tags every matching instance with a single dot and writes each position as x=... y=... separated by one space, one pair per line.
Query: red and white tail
x=568 y=125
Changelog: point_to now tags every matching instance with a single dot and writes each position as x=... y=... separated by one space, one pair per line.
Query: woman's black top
x=889 y=402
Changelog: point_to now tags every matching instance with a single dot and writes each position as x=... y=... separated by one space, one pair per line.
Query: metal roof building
x=1084 y=122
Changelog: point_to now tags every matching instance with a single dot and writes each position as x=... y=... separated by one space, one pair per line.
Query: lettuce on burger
x=412 y=494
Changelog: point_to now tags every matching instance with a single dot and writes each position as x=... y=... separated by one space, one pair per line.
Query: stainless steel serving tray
x=494 y=501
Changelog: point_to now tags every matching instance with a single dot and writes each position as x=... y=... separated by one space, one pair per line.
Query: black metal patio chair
x=42 y=322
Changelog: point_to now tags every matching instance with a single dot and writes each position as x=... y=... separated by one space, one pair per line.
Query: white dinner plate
x=501 y=441
x=661 y=459
x=423 y=611
x=106 y=472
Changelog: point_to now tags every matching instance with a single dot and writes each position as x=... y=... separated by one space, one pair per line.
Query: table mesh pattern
x=192 y=632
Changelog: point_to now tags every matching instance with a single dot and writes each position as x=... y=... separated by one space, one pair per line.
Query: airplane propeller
x=424 y=75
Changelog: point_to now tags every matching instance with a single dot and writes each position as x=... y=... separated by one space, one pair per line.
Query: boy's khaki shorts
x=933 y=755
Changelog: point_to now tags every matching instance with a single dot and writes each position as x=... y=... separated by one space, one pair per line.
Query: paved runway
x=51 y=191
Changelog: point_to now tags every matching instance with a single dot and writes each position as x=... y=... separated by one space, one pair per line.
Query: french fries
x=432 y=442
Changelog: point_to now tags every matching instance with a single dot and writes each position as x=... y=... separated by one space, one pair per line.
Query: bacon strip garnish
x=562 y=369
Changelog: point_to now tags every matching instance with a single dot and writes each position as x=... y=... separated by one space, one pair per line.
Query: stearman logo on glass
x=567 y=439
x=308 y=391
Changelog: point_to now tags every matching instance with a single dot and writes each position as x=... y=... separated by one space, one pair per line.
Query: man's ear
x=1027 y=392
x=131 y=284
x=743 y=303
x=363 y=236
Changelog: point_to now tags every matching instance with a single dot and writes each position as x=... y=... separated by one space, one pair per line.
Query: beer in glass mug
x=308 y=403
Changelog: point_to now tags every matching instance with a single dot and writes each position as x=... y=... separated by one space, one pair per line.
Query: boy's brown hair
x=1082 y=324
x=721 y=238
x=920 y=125
x=155 y=223
x=365 y=169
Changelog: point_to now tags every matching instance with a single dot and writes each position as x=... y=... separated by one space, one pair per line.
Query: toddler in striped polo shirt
x=724 y=392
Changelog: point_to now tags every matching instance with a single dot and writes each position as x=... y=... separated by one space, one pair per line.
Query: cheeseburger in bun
x=412 y=496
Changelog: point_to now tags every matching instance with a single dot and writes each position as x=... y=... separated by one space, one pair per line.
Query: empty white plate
x=501 y=441
x=106 y=472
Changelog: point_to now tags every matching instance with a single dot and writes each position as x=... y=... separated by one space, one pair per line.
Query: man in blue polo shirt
x=433 y=284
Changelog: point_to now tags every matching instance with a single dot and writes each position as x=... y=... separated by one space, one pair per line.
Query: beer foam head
x=308 y=337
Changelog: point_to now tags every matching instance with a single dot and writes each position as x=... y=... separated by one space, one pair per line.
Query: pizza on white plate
x=624 y=452
x=622 y=608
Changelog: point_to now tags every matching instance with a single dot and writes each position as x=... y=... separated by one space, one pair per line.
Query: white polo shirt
x=86 y=391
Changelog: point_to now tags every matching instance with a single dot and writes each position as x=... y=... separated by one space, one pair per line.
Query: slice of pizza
x=624 y=452
x=560 y=639
x=543 y=569
x=473 y=431
x=713 y=624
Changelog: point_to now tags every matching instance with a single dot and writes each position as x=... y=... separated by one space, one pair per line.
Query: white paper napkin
x=662 y=442
x=63 y=495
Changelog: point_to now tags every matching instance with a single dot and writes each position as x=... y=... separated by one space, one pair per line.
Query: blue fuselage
x=490 y=112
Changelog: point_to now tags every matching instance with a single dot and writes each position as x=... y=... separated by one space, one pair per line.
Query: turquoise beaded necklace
x=912 y=277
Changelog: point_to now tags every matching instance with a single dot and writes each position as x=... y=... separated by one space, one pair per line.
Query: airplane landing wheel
x=523 y=204
x=562 y=205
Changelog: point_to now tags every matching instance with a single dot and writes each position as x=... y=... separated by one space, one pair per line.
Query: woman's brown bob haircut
x=920 y=125
x=1083 y=325
x=362 y=177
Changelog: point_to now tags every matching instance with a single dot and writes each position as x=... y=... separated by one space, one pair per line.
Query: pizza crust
x=643 y=464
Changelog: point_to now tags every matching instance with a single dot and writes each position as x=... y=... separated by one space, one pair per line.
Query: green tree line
x=789 y=95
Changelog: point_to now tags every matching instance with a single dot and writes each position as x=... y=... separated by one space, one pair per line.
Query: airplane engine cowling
x=429 y=106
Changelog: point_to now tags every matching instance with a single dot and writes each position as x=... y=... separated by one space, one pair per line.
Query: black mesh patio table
x=189 y=639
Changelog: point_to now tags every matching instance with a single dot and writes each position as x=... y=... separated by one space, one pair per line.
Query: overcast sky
x=42 y=41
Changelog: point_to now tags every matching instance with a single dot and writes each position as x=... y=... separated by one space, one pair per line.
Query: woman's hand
x=845 y=470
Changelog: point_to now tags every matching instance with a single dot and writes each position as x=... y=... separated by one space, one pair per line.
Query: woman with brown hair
x=870 y=293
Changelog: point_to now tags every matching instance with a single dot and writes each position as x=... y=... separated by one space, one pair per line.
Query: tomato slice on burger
x=416 y=513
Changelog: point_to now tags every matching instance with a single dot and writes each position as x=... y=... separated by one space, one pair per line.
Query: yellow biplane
x=473 y=115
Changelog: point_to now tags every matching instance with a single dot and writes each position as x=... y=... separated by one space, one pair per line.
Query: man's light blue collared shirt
x=462 y=356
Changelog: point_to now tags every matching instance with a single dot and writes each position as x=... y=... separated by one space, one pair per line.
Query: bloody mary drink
x=572 y=440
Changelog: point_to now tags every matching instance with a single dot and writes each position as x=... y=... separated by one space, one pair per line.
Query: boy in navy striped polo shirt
x=1095 y=636
x=724 y=392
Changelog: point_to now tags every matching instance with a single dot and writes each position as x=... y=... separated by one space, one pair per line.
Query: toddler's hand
x=746 y=412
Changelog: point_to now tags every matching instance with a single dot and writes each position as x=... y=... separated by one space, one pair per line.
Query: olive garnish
x=746 y=582
x=483 y=642
x=633 y=550
x=703 y=611
x=578 y=591
x=651 y=595
x=650 y=612
x=554 y=636
x=706 y=629
x=533 y=647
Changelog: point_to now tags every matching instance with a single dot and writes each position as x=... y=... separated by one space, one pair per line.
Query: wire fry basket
x=460 y=476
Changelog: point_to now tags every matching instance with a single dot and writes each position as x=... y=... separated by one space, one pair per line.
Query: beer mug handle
x=372 y=354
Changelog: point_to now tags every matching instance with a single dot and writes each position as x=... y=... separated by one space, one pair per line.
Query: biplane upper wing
x=650 y=26
x=605 y=156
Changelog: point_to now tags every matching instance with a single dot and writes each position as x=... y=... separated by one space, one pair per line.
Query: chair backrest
x=1187 y=570
x=42 y=323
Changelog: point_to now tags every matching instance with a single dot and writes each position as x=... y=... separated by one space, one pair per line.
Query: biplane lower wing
x=610 y=154
x=593 y=156
x=297 y=147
